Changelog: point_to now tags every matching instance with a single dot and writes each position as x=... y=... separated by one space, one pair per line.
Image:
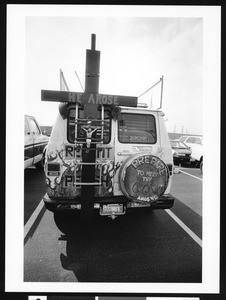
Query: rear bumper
x=164 y=202
x=182 y=159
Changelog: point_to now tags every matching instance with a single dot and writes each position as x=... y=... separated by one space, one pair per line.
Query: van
x=107 y=154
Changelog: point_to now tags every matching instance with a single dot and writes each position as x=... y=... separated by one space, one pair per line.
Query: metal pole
x=149 y=88
x=92 y=68
x=93 y=42
x=161 y=92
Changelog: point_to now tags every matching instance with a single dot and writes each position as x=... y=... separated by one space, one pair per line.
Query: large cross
x=90 y=100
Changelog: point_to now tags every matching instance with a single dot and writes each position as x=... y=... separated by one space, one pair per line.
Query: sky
x=135 y=53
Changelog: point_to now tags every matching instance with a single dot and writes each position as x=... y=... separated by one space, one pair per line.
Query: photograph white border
x=15 y=93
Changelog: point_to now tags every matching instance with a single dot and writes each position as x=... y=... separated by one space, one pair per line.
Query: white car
x=34 y=143
x=196 y=145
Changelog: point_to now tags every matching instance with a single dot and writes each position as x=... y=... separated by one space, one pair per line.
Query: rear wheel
x=201 y=165
x=66 y=221
x=87 y=211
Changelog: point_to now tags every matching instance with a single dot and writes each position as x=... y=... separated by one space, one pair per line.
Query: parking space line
x=32 y=219
x=185 y=227
x=190 y=175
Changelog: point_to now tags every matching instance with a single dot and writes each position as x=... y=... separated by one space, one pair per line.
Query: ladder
x=82 y=121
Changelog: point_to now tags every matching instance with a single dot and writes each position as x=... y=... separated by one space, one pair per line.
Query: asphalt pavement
x=145 y=246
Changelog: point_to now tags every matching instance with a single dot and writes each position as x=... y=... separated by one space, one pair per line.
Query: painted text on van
x=93 y=98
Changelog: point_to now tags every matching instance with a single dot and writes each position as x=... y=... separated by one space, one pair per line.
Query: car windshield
x=137 y=128
x=178 y=144
x=182 y=145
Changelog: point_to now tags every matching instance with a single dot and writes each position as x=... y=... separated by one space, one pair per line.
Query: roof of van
x=141 y=109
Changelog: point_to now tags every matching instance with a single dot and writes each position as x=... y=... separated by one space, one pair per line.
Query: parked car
x=187 y=139
x=34 y=143
x=195 y=143
x=181 y=152
x=201 y=167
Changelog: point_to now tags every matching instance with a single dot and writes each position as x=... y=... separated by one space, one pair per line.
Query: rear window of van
x=137 y=128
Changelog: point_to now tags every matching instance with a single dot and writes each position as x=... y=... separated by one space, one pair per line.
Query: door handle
x=124 y=153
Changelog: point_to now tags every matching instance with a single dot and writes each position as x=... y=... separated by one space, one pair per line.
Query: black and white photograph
x=115 y=107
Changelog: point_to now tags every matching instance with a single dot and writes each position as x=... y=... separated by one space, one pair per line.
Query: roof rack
x=142 y=105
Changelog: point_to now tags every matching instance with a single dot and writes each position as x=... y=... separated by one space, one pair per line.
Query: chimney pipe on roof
x=93 y=41
x=92 y=68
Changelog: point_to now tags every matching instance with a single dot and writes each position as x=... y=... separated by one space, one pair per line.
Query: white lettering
x=115 y=100
x=104 y=99
x=91 y=99
x=147 y=179
x=71 y=97
x=147 y=199
x=140 y=172
x=98 y=99
x=79 y=96
x=135 y=163
x=110 y=100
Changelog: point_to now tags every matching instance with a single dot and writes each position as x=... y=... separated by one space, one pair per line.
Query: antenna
x=161 y=79
x=79 y=80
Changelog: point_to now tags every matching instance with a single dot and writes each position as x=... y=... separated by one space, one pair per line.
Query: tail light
x=53 y=169
x=170 y=167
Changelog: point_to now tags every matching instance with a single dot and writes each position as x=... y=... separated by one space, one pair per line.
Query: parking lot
x=145 y=246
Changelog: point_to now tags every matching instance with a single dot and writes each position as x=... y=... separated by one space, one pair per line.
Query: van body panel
x=64 y=159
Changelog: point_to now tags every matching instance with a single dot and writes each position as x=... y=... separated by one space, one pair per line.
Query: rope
x=150 y=88
x=79 y=81
x=64 y=81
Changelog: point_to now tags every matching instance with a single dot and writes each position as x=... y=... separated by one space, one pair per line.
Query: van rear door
x=136 y=132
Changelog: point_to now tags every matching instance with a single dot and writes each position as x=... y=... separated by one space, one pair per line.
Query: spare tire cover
x=143 y=177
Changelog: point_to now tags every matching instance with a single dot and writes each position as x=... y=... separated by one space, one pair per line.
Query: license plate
x=112 y=209
x=182 y=154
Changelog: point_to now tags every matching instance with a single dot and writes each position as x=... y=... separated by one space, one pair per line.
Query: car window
x=137 y=128
x=191 y=140
x=81 y=133
x=26 y=128
x=198 y=141
x=182 y=138
x=34 y=126
x=174 y=144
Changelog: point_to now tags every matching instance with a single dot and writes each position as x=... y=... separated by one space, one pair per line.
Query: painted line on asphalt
x=33 y=218
x=185 y=227
x=190 y=175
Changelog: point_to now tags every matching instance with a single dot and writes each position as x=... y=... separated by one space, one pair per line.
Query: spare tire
x=143 y=178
